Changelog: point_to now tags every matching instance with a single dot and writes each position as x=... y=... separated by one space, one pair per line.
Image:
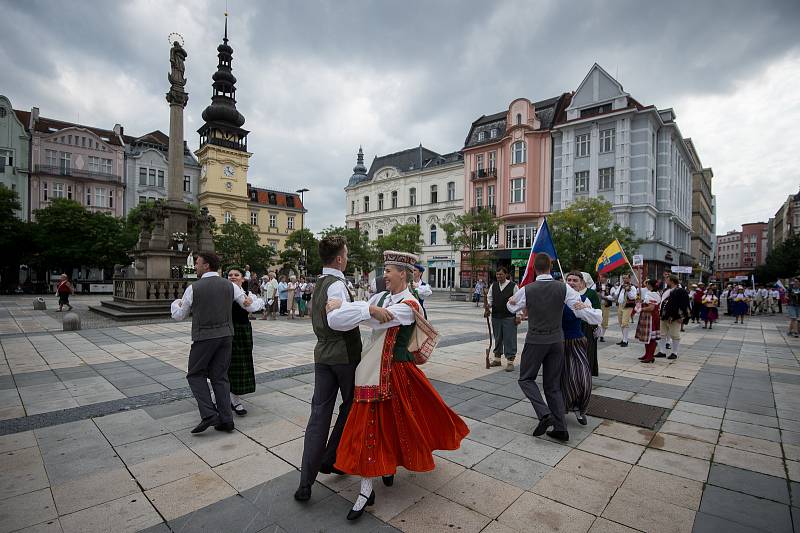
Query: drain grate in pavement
x=635 y=414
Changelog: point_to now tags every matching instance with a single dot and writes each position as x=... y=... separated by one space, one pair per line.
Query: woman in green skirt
x=241 y=373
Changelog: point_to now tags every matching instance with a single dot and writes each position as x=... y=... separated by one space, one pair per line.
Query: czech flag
x=542 y=244
x=613 y=257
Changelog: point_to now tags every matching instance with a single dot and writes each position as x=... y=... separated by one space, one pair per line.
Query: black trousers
x=318 y=447
x=211 y=359
x=550 y=358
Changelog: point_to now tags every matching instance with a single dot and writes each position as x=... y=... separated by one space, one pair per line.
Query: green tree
x=16 y=240
x=68 y=236
x=299 y=240
x=402 y=238
x=583 y=230
x=472 y=233
x=781 y=263
x=360 y=252
x=237 y=243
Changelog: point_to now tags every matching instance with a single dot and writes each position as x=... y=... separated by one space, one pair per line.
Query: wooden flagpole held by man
x=488 y=324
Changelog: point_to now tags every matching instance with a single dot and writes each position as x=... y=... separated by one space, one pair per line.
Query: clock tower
x=223 y=154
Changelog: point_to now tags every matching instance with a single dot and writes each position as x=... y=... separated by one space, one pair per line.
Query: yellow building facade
x=224 y=162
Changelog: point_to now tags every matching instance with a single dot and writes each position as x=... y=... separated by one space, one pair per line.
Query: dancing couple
x=390 y=414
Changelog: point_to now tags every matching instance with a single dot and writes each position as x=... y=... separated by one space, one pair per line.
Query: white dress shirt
x=180 y=308
x=351 y=314
x=621 y=296
x=503 y=285
x=589 y=315
x=423 y=289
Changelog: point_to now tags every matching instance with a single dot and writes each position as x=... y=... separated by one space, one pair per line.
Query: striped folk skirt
x=576 y=381
x=241 y=373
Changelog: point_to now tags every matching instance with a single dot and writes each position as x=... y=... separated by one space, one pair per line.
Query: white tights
x=366 y=488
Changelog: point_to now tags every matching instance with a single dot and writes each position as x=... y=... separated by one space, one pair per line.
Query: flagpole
x=638 y=283
x=560 y=269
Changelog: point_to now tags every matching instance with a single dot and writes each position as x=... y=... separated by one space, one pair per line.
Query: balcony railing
x=491 y=208
x=55 y=170
x=484 y=173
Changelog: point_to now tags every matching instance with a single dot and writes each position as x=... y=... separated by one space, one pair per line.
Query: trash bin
x=39 y=304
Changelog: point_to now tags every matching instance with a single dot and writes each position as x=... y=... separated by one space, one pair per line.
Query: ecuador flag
x=613 y=257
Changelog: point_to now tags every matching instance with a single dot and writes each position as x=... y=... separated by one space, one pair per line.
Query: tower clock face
x=228 y=171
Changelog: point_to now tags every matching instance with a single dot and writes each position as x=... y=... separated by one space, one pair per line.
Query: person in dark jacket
x=674 y=311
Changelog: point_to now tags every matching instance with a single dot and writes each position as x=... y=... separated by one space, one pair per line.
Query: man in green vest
x=336 y=355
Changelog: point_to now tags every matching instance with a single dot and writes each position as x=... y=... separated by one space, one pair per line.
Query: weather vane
x=175 y=36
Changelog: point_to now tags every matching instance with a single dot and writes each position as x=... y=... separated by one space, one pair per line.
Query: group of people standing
x=285 y=296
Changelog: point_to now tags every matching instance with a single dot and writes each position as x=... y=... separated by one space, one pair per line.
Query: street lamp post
x=302 y=228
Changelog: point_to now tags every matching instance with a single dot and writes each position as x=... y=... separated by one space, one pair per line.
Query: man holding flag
x=625 y=295
x=544 y=344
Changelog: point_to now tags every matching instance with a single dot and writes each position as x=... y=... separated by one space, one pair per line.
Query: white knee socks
x=625 y=334
x=235 y=400
x=675 y=345
x=366 y=488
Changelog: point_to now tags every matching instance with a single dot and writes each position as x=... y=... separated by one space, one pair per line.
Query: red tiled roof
x=262 y=196
x=24 y=117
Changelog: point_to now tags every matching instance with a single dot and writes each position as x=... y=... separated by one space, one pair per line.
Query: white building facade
x=610 y=146
x=415 y=186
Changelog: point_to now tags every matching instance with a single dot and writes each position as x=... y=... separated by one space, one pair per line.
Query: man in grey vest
x=209 y=299
x=504 y=323
x=336 y=355
x=544 y=302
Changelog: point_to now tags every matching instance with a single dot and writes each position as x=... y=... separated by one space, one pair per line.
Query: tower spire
x=225 y=39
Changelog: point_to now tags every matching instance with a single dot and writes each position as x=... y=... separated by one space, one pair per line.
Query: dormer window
x=494 y=133
x=519 y=119
x=272 y=199
x=591 y=111
x=481 y=135
x=290 y=201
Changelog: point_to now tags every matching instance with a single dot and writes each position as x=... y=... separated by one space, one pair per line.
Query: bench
x=458 y=297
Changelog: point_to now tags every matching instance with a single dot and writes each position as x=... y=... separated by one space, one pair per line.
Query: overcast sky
x=317 y=79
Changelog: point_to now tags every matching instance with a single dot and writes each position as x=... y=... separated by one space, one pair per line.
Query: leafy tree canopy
x=472 y=233
x=402 y=238
x=302 y=239
x=237 y=243
x=360 y=253
x=781 y=263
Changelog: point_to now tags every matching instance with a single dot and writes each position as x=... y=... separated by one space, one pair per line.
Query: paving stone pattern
x=724 y=457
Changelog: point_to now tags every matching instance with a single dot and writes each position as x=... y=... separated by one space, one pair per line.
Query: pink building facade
x=76 y=162
x=507 y=170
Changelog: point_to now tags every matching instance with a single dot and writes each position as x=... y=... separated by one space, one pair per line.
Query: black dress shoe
x=668 y=346
x=602 y=339
x=563 y=436
x=620 y=343
x=239 y=409
x=388 y=480
x=224 y=426
x=582 y=419
x=623 y=345
x=672 y=356
x=354 y=515
x=204 y=425
x=661 y=354
x=541 y=428
x=303 y=493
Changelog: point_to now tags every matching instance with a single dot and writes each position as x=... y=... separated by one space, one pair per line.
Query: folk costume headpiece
x=400 y=259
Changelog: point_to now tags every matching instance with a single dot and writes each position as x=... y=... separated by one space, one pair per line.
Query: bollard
x=39 y=304
x=72 y=321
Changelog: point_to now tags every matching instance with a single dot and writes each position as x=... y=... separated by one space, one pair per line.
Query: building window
x=607 y=140
x=519 y=118
x=412 y=196
x=160 y=178
x=290 y=222
x=582 y=181
x=44 y=191
x=187 y=184
x=69 y=192
x=380 y=233
x=227 y=217
x=492 y=160
x=142 y=176
x=481 y=135
x=518 y=152
x=605 y=108
x=380 y=202
x=52 y=158
x=451 y=191
x=479 y=162
x=433 y=234
x=58 y=190
x=478 y=196
x=582 y=145
x=352 y=207
x=272 y=199
x=517 y=190
x=88 y=196
x=394 y=199
x=65 y=163
x=107 y=166
x=290 y=200
x=100 y=197
x=142 y=199
x=606 y=182
x=434 y=195
x=254 y=218
x=94 y=164
x=520 y=235
x=111 y=198
x=366 y=204
x=273 y=221
x=490 y=195
x=494 y=133
x=152 y=177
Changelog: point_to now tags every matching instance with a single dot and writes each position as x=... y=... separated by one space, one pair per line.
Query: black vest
x=500 y=299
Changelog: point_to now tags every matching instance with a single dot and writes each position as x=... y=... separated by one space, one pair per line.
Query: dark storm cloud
x=316 y=79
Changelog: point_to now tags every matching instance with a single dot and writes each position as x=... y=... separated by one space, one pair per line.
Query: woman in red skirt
x=649 y=322
x=397 y=417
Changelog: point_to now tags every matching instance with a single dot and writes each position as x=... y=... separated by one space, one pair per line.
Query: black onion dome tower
x=223 y=122
x=359 y=171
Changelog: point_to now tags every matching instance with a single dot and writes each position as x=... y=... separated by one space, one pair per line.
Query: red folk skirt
x=401 y=431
